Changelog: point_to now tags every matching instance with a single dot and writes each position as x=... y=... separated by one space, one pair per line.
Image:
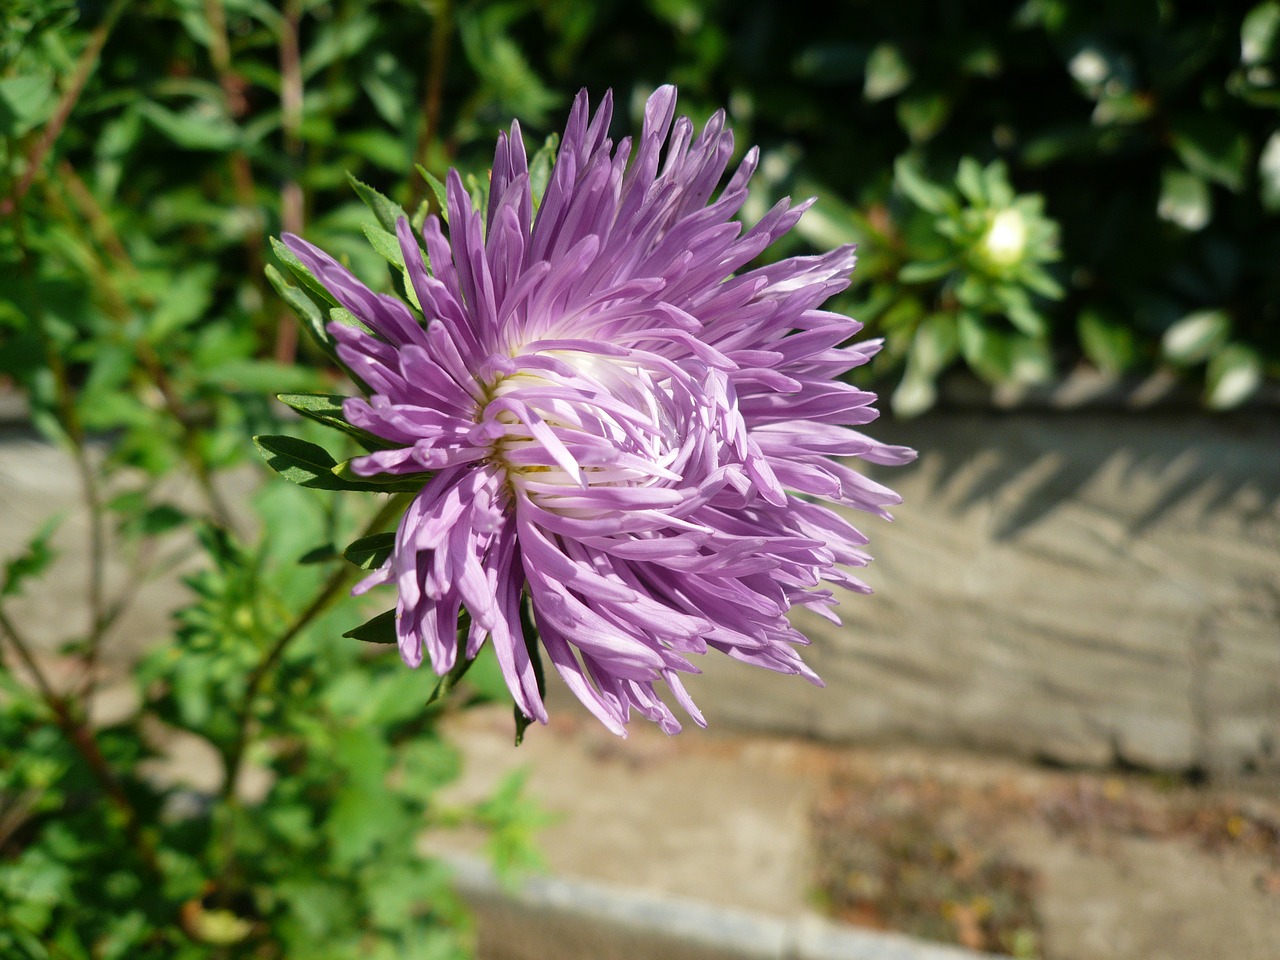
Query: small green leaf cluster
x=977 y=259
x=297 y=835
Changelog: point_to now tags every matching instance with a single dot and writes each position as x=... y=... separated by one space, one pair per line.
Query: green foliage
x=144 y=154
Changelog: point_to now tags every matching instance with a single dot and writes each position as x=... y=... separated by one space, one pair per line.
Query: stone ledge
x=555 y=918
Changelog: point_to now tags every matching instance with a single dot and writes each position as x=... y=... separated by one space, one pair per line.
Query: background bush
x=1151 y=130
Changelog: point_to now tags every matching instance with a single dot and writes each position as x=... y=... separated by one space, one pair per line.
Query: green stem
x=87 y=63
x=292 y=196
x=433 y=95
x=329 y=592
x=117 y=306
x=82 y=739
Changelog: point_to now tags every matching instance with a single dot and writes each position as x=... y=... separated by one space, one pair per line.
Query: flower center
x=1006 y=238
x=564 y=421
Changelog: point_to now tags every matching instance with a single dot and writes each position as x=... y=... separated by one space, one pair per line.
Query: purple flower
x=620 y=423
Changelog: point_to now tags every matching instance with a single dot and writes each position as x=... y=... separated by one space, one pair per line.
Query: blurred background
x=1054 y=731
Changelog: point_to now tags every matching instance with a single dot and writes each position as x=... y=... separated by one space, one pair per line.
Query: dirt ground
x=993 y=854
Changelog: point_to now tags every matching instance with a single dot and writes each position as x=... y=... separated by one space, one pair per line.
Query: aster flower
x=622 y=421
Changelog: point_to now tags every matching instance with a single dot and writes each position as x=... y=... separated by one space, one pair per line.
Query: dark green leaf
x=379 y=482
x=529 y=630
x=381 y=629
x=1213 y=147
x=32 y=561
x=460 y=666
x=295 y=266
x=326 y=408
x=923 y=114
x=321 y=554
x=923 y=272
x=300 y=461
x=371 y=552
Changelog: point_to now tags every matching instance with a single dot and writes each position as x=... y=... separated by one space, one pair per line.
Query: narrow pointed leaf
x=387 y=211
x=381 y=629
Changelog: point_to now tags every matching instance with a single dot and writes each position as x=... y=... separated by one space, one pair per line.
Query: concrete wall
x=1086 y=588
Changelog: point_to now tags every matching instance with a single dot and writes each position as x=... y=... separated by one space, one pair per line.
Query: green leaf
x=1213 y=147
x=336 y=39
x=182 y=298
x=529 y=630
x=387 y=245
x=924 y=271
x=299 y=461
x=437 y=190
x=1038 y=281
x=381 y=629
x=257 y=376
x=321 y=554
x=202 y=126
x=1018 y=308
x=33 y=561
x=379 y=482
x=1234 y=374
x=306 y=310
x=935 y=344
x=1269 y=173
x=1193 y=338
x=26 y=101
x=1184 y=199
x=387 y=212
x=923 y=114
x=326 y=408
x=888 y=73
x=914 y=395
x=540 y=166
x=1258 y=33
x=971 y=182
x=157 y=520
x=371 y=552
x=915 y=187
x=1000 y=357
x=295 y=266
x=1110 y=346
